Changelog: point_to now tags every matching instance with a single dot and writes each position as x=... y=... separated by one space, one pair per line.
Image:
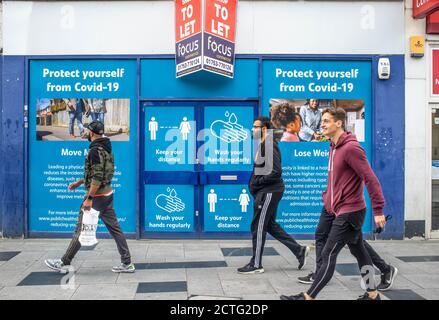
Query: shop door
x=197 y=159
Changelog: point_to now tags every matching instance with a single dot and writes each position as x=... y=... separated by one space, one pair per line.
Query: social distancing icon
x=185 y=128
x=213 y=199
x=244 y=200
x=153 y=127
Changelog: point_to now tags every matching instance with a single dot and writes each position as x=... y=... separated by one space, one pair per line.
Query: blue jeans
x=99 y=116
x=78 y=117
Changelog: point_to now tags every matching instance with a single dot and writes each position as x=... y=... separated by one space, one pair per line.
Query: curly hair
x=283 y=114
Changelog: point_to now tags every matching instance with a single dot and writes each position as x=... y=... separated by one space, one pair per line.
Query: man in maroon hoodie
x=348 y=170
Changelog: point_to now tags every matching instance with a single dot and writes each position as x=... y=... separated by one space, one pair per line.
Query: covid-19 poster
x=295 y=93
x=64 y=96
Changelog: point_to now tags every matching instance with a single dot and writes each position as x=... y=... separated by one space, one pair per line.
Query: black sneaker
x=309 y=279
x=299 y=296
x=387 y=279
x=250 y=269
x=366 y=297
x=302 y=258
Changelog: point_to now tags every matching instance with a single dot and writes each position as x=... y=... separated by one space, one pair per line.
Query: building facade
x=178 y=175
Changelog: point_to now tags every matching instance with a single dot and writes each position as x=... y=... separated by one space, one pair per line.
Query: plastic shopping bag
x=87 y=237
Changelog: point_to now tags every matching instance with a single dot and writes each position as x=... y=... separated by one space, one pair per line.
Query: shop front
x=183 y=144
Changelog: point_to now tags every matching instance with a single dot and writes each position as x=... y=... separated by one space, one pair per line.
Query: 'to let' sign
x=221 y=18
x=187 y=18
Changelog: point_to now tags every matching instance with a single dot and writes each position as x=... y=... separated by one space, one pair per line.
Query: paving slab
x=161 y=296
x=11 y=278
x=37 y=293
x=425 y=281
x=208 y=297
x=125 y=291
x=159 y=275
x=429 y=294
x=161 y=287
x=8 y=255
x=242 y=287
x=204 y=282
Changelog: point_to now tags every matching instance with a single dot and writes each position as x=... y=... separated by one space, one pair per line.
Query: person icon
x=212 y=199
x=153 y=127
x=244 y=200
x=185 y=128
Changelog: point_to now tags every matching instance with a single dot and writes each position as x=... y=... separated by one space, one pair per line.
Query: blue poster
x=170 y=138
x=227 y=138
x=295 y=92
x=227 y=208
x=169 y=208
x=64 y=95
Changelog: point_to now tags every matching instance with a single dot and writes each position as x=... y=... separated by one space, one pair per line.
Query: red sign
x=435 y=71
x=187 y=18
x=220 y=18
x=433 y=23
x=421 y=8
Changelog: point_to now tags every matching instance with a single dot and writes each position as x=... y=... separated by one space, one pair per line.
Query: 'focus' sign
x=188 y=21
x=210 y=47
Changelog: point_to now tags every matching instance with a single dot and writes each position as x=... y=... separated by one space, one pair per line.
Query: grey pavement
x=202 y=270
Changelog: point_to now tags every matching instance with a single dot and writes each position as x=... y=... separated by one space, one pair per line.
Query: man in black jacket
x=267 y=187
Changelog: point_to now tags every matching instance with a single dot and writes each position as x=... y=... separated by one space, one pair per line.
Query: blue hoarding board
x=288 y=88
x=170 y=138
x=227 y=208
x=64 y=95
x=227 y=138
x=169 y=208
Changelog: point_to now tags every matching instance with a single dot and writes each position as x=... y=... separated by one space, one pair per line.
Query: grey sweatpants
x=106 y=212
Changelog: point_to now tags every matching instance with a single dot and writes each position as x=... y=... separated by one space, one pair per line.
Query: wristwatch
x=90 y=197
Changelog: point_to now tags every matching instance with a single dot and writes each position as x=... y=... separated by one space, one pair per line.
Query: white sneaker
x=57 y=265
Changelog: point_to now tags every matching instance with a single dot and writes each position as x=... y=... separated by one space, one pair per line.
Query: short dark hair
x=265 y=122
x=339 y=114
x=308 y=101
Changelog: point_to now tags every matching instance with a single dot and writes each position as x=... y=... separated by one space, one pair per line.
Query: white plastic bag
x=90 y=219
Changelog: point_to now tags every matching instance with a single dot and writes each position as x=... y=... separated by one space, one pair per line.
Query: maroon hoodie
x=348 y=169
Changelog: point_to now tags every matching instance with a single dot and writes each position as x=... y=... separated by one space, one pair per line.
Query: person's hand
x=317 y=136
x=380 y=221
x=74 y=185
x=86 y=205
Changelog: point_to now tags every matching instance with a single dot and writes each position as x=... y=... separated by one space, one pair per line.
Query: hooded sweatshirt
x=99 y=166
x=348 y=170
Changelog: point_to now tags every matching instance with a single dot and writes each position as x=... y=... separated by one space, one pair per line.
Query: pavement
x=202 y=270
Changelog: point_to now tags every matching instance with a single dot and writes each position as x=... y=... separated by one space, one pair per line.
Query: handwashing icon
x=230 y=131
x=170 y=203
